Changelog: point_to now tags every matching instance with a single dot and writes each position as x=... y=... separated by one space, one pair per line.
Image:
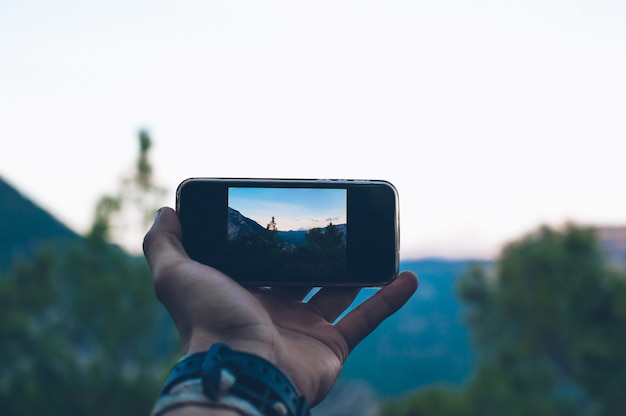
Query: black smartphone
x=292 y=232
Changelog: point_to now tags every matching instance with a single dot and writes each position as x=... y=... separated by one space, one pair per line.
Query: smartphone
x=292 y=232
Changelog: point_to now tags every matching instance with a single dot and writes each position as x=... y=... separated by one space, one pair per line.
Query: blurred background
x=500 y=123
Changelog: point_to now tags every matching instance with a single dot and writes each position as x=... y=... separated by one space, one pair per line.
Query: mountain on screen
x=239 y=224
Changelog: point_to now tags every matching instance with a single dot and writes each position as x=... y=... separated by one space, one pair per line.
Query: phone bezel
x=372 y=236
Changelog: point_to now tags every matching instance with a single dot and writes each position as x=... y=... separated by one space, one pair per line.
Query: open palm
x=301 y=338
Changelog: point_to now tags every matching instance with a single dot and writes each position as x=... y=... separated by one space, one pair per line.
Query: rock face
x=240 y=225
x=613 y=243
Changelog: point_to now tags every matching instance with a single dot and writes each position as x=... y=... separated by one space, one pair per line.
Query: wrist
x=227 y=378
x=201 y=341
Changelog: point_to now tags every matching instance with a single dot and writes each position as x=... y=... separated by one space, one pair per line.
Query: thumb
x=162 y=244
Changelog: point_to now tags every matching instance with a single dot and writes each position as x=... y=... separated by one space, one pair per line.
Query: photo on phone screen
x=288 y=233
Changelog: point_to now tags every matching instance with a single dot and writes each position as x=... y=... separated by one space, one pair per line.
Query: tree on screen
x=272 y=225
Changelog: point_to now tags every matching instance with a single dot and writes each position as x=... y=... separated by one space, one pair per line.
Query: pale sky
x=490 y=117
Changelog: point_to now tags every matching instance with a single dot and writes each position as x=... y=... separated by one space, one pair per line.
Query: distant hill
x=425 y=342
x=24 y=226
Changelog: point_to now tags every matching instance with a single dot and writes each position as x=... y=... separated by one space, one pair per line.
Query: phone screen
x=287 y=233
x=270 y=232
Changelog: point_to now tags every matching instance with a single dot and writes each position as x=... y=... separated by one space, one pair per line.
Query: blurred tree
x=124 y=216
x=549 y=327
x=548 y=324
x=81 y=331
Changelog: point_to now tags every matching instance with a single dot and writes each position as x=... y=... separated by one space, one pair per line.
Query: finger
x=291 y=292
x=330 y=302
x=362 y=320
x=162 y=244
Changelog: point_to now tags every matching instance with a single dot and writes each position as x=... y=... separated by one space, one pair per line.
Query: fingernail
x=156 y=215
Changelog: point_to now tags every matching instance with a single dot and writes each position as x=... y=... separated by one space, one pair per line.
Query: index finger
x=363 y=319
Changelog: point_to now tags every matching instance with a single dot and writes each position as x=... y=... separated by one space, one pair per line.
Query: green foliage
x=126 y=214
x=548 y=326
x=106 y=207
x=82 y=332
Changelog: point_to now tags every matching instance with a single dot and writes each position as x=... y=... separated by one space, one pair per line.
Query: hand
x=299 y=338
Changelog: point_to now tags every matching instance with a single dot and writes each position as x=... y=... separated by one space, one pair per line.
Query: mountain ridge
x=25 y=226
